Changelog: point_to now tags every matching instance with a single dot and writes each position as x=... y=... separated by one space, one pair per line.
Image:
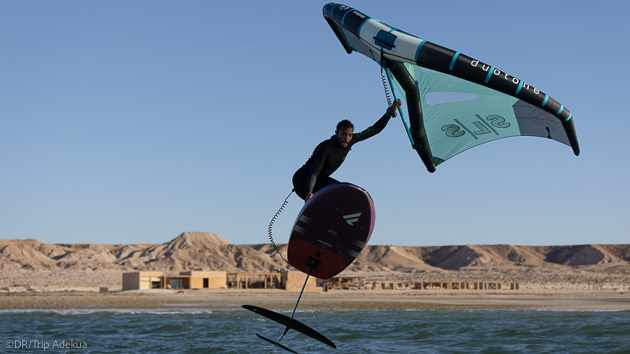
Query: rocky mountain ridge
x=208 y=251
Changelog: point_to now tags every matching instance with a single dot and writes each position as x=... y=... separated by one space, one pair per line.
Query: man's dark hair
x=345 y=124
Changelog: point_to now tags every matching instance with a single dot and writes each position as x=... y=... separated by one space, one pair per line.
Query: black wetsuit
x=327 y=157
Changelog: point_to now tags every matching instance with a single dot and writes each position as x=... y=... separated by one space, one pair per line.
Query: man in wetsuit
x=330 y=154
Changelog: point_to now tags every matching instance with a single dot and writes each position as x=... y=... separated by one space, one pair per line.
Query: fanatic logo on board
x=352 y=218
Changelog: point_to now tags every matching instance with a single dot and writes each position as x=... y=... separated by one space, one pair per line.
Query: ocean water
x=233 y=331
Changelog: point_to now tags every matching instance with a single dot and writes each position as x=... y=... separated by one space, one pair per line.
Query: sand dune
x=577 y=266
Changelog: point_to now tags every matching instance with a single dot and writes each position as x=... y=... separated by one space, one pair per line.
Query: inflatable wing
x=454 y=102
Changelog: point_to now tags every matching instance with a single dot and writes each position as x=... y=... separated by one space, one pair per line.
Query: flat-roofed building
x=183 y=280
x=206 y=279
x=295 y=280
x=142 y=280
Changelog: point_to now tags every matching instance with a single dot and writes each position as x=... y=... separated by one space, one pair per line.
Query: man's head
x=344 y=132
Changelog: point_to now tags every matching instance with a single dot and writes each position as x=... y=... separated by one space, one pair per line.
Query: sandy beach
x=331 y=300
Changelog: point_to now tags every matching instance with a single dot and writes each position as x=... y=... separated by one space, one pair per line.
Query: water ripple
x=233 y=331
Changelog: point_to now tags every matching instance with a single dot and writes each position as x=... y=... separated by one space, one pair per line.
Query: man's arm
x=380 y=124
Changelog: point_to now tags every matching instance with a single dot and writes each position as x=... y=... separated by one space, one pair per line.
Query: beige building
x=295 y=281
x=142 y=280
x=206 y=280
x=275 y=280
x=183 y=280
x=216 y=280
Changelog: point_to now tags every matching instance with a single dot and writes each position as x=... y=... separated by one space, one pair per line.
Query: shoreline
x=281 y=300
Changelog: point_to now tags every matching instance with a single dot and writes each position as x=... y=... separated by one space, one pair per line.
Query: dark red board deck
x=331 y=229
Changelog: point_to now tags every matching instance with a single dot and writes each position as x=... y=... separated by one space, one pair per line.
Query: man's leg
x=299 y=183
x=323 y=181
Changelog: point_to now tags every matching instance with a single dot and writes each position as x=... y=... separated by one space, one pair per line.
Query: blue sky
x=134 y=121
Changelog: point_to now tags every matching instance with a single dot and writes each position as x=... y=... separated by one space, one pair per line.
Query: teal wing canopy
x=459 y=115
x=454 y=102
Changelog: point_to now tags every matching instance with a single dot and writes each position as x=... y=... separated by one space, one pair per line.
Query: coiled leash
x=273 y=219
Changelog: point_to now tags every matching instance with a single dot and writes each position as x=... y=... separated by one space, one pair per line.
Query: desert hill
x=209 y=251
x=26 y=264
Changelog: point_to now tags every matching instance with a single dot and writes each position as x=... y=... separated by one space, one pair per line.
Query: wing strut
x=416 y=131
